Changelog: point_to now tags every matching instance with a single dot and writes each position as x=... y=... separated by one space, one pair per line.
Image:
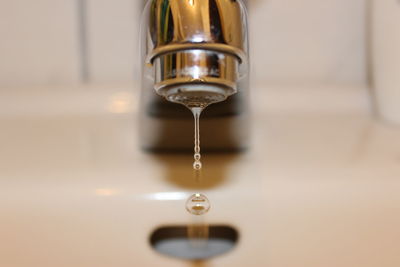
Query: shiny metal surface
x=176 y=69
x=194 y=52
x=217 y=25
x=190 y=42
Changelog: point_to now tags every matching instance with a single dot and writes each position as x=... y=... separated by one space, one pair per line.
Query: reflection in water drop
x=197 y=165
x=197 y=156
x=198 y=204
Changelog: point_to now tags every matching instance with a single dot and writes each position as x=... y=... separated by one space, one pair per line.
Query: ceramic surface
x=319 y=187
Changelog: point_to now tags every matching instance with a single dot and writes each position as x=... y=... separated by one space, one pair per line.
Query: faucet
x=194 y=51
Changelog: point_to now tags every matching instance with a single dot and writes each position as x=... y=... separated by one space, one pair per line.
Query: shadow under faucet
x=180 y=173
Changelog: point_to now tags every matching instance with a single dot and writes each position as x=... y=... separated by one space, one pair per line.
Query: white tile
x=113 y=39
x=308 y=41
x=38 y=43
x=386 y=58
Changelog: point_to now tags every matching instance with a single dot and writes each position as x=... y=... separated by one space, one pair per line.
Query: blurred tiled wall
x=58 y=42
x=309 y=41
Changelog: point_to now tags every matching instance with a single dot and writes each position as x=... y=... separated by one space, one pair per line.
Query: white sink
x=319 y=187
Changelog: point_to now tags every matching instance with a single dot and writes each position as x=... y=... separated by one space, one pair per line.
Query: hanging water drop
x=197 y=165
x=197 y=156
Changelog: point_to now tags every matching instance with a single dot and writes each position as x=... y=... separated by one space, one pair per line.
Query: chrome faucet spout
x=194 y=50
x=196 y=42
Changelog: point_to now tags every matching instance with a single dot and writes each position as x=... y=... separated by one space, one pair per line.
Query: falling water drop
x=198 y=204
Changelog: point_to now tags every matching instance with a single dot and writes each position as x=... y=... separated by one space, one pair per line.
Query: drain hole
x=194 y=242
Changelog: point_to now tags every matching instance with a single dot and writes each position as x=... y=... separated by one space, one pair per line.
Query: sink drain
x=178 y=242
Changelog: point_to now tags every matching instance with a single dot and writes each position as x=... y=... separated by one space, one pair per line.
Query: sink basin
x=319 y=186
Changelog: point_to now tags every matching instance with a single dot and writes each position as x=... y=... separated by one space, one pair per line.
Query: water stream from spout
x=197 y=156
x=197 y=204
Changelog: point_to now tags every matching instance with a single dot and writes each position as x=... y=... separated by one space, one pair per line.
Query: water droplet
x=197 y=156
x=198 y=204
x=197 y=165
